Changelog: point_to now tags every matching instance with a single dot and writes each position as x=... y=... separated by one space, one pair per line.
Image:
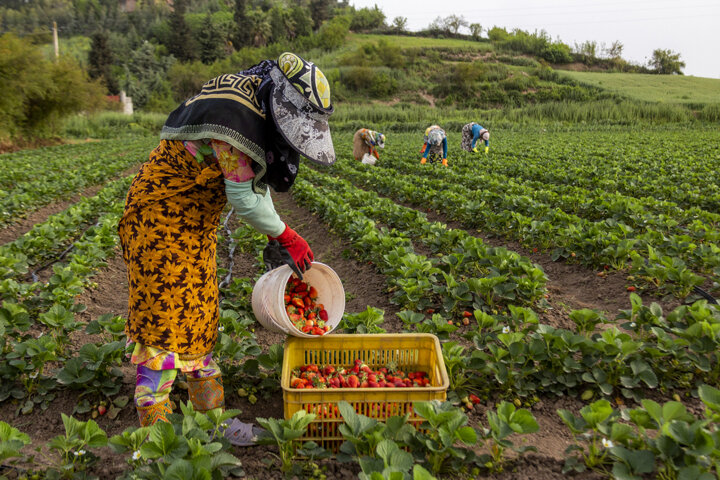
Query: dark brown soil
x=571 y=286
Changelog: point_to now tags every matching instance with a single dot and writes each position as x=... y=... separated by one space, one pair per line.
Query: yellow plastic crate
x=410 y=352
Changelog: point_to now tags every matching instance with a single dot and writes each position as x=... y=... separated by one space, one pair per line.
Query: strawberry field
x=570 y=277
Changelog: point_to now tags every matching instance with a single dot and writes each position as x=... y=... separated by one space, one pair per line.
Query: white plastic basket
x=268 y=301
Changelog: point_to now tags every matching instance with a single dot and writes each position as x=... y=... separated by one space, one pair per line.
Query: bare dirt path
x=24 y=225
x=571 y=286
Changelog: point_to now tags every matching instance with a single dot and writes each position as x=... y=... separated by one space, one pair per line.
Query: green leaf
x=575 y=424
x=639 y=461
x=522 y=421
x=710 y=397
x=467 y=435
x=419 y=473
x=93 y=435
x=596 y=413
x=425 y=410
x=621 y=471
x=674 y=411
x=179 y=470
x=74 y=373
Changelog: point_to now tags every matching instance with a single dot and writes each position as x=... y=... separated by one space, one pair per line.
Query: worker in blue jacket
x=435 y=145
x=471 y=133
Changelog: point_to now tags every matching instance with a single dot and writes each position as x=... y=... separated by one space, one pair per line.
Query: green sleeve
x=256 y=209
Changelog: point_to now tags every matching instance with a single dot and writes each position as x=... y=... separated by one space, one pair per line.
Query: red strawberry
x=474 y=399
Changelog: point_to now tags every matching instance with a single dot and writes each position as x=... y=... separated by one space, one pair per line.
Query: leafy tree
x=282 y=24
x=146 y=77
x=498 y=35
x=182 y=44
x=260 y=28
x=475 y=30
x=100 y=61
x=615 y=50
x=367 y=19
x=20 y=66
x=243 y=26
x=455 y=22
x=399 y=24
x=210 y=41
x=319 y=11
x=666 y=62
x=450 y=24
x=37 y=93
x=588 y=51
x=332 y=34
x=588 y=48
x=303 y=20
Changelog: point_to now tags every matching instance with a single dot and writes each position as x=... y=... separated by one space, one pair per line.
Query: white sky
x=688 y=27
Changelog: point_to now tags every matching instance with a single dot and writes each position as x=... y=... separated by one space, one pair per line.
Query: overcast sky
x=688 y=27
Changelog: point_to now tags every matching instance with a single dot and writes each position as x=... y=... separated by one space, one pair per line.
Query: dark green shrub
x=556 y=53
x=358 y=78
x=333 y=32
x=494 y=72
x=37 y=93
x=383 y=85
x=366 y=19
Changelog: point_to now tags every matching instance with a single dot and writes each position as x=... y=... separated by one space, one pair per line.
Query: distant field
x=405 y=41
x=654 y=88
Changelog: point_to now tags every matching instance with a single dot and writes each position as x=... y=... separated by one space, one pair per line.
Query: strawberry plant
x=367 y=321
x=12 y=441
x=439 y=437
x=190 y=446
x=283 y=434
x=503 y=422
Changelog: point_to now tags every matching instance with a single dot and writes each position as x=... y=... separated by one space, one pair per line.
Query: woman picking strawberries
x=240 y=135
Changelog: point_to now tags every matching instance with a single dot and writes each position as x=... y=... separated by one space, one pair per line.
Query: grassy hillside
x=404 y=41
x=654 y=88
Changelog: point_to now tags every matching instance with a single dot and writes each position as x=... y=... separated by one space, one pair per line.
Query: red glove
x=297 y=247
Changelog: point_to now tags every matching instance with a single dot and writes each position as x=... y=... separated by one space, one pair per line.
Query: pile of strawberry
x=358 y=376
x=307 y=316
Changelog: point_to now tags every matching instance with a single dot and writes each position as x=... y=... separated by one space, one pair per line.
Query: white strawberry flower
x=607 y=443
x=506 y=329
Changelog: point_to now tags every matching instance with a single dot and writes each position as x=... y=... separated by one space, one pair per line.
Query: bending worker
x=365 y=145
x=435 y=145
x=240 y=135
x=471 y=133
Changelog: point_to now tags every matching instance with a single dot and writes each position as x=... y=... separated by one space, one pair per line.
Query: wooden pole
x=55 y=41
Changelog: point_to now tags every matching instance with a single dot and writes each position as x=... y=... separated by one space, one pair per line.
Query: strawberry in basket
x=302 y=308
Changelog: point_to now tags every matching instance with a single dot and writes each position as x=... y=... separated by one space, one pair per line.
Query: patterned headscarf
x=436 y=136
x=300 y=105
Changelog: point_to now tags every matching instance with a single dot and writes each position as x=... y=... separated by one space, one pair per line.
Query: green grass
x=654 y=88
x=410 y=42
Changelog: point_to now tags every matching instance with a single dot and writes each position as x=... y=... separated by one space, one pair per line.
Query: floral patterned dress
x=168 y=233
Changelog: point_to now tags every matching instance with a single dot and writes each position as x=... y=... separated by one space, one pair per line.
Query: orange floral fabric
x=168 y=233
